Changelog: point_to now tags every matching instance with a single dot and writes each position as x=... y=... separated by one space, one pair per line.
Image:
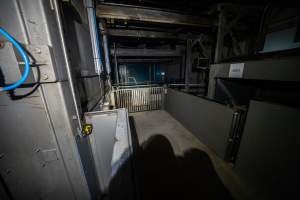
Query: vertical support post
x=68 y=64
x=220 y=36
x=188 y=63
x=94 y=36
x=103 y=30
x=116 y=65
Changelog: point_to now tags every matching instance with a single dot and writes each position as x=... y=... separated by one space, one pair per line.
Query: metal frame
x=139 y=98
x=111 y=143
x=284 y=69
x=148 y=34
x=147 y=52
x=41 y=151
x=150 y=15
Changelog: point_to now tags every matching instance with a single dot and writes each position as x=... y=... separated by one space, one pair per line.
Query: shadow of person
x=159 y=174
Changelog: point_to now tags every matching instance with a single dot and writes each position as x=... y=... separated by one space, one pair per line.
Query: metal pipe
x=68 y=65
x=105 y=45
x=116 y=64
x=94 y=36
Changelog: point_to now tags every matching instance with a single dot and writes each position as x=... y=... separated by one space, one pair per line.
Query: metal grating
x=139 y=98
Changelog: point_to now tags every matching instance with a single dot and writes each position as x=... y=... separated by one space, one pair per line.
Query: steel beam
x=148 y=34
x=145 y=60
x=147 y=52
x=149 y=15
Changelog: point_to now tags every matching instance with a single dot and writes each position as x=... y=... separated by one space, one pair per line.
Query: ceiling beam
x=145 y=60
x=149 y=34
x=124 y=52
x=150 y=15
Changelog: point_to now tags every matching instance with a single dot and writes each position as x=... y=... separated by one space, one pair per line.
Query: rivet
x=45 y=77
x=37 y=50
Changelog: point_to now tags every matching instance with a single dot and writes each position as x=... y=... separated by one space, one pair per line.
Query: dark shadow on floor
x=159 y=174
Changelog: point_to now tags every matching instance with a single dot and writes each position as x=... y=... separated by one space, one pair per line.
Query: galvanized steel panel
x=210 y=121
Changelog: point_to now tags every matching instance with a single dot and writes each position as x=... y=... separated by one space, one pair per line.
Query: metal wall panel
x=112 y=148
x=30 y=153
x=268 y=158
x=209 y=121
x=39 y=155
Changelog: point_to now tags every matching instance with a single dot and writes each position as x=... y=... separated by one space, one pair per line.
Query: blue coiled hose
x=25 y=58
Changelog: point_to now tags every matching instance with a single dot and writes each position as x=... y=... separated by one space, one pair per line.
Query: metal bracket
x=44 y=69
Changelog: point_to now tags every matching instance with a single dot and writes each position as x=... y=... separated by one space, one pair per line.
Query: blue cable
x=25 y=58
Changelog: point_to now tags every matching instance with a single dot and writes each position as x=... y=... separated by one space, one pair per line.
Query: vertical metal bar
x=188 y=64
x=68 y=64
x=149 y=96
x=138 y=99
x=132 y=103
x=122 y=98
x=94 y=36
x=157 y=94
x=117 y=98
x=220 y=35
x=102 y=26
x=142 y=100
x=133 y=100
x=116 y=65
x=154 y=98
x=130 y=100
x=126 y=99
x=161 y=97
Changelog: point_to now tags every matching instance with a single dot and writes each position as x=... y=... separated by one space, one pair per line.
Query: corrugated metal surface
x=139 y=98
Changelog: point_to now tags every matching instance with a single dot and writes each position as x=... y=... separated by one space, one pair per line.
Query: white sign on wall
x=236 y=70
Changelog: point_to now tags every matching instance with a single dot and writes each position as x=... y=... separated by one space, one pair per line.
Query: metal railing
x=139 y=98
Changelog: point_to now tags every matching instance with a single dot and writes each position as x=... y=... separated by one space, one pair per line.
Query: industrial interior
x=149 y=99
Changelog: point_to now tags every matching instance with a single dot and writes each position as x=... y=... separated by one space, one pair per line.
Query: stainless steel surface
x=67 y=63
x=150 y=15
x=207 y=120
x=111 y=143
x=138 y=98
x=268 y=158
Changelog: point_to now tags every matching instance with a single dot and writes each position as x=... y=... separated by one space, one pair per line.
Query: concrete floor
x=207 y=171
